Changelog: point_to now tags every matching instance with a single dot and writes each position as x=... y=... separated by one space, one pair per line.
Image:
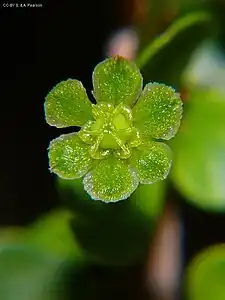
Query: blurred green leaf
x=198 y=169
x=206 y=67
x=28 y=275
x=113 y=234
x=148 y=200
x=205 y=276
x=10 y=234
x=164 y=59
x=52 y=234
x=165 y=38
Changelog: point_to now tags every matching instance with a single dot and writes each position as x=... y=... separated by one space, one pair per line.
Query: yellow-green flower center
x=112 y=131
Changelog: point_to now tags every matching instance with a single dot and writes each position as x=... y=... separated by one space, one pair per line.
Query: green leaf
x=10 y=234
x=178 y=26
x=112 y=180
x=69 y=156
x=199 y=161
x=28 y=275
x=114 y=234
x=117 y=80
x=149 y=200
x=52 y=234
x=106 y=242
x=67 y=104
x=205 y=275
x=158 y=111
x=152 y=161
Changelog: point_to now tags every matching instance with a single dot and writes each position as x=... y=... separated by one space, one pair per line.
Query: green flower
x=116 y=147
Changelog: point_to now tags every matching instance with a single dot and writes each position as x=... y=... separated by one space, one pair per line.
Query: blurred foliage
x=52 y=234
x=36 y=262
x=205 y=275
x=169 y=62
x=170 y=33
x=114 y=233
x=29 y=275
x=199 y=150
x=206 y=68
x=193 y=62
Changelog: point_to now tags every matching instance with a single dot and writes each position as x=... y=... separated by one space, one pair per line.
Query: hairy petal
x=117 y=80
x=152 y=161
x=67 y=104
x=158 y=111
x=112 y=180
x=69 y=156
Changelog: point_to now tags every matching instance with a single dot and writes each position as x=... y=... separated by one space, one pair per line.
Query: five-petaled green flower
x=117 y=147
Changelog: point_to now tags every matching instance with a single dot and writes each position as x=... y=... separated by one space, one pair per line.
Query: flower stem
x=181 y=24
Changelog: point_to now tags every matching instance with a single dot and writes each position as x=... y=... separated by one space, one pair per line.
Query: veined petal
x=67 y=104
x=112 y=180
x=69 y=156
x=117 y=80
x=152 y=161
x=158 y=111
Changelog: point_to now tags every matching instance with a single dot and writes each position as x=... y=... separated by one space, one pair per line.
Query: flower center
x=112 y=131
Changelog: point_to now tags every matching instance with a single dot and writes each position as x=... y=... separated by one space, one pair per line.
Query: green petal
x=117 y=80
x=152 y=162
x=112 y=180
x=69 y=156
x=158 y=111
x=67 y=104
